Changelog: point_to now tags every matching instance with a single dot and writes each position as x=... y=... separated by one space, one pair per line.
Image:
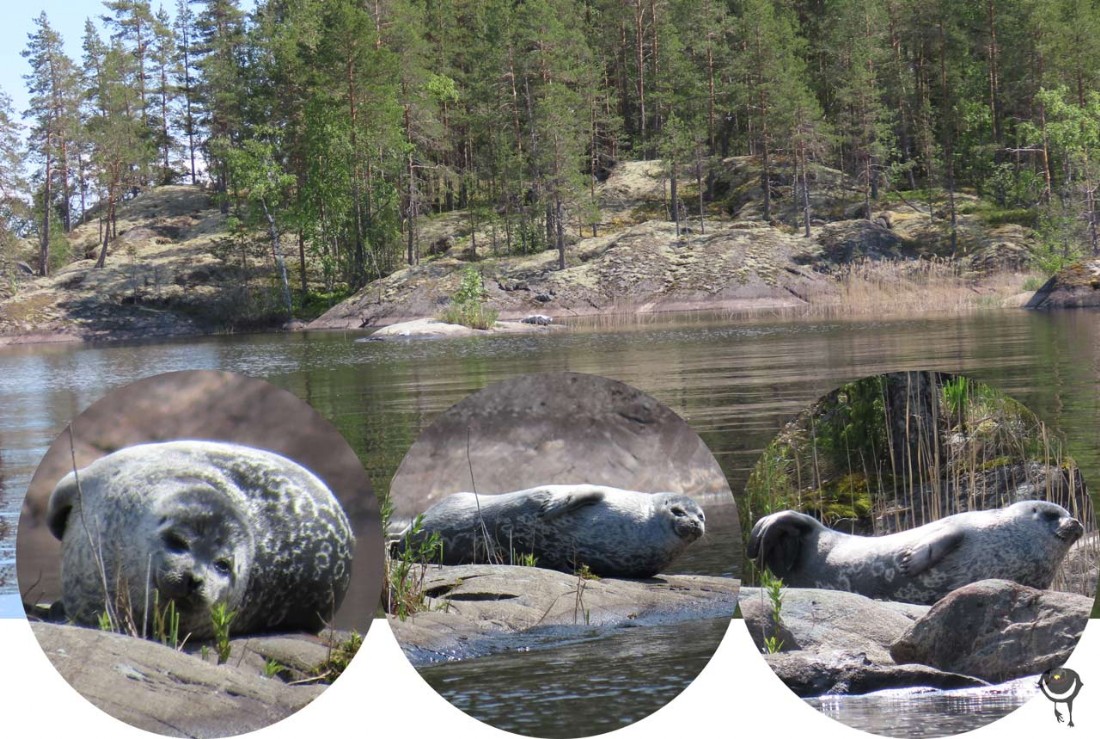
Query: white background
x=381 y=695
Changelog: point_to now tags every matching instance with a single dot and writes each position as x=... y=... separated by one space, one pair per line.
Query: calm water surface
x=735 y=382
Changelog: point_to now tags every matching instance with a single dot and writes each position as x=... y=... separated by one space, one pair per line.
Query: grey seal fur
x=615 y=532
x=201 y=522
x=1024 y=542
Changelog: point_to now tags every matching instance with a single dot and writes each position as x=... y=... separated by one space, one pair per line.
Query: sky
x=17 y=22
x=66 y=16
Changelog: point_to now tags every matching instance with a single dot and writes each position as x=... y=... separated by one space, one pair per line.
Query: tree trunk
x=302 y=265
x=277 y=253
x=674 y=197
x=111 y=197
x=44 y=241
x=699 y=184
x=560 y=232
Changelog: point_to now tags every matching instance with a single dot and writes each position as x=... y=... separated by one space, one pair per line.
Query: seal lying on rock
x=616 y=533
x=201 y=523
x=1024 y=542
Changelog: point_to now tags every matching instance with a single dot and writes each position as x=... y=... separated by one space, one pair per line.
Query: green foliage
x=956 y=396
x=166 y=622
x=772 y=588
x=405 y=575
x=272 y=667
x=584 y=572
x=467 y=303
x=339 y=657
x=221 y=618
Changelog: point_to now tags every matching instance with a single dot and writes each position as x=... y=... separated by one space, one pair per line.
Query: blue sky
x=66 y=16
x=17 y=22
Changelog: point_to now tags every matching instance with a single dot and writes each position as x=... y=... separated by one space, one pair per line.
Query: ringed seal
x=199 y=523
x=1024 y=542
x=616 y=533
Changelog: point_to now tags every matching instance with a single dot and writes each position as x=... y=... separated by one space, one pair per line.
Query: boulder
x=838 y=643
x=1076 y=286
x=996 y=630
x=159 y=689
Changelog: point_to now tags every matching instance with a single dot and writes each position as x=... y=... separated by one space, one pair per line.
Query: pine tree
x=775 y=82
x=163 y=56
x=12 y=182
x=217 y=47
x=132 y=24
x=121 y=146
x=53 y=84
x=185 y=81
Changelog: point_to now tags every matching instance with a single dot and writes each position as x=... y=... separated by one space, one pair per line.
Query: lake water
x=736 y=382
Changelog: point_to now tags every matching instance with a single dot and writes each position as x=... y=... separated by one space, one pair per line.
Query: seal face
x=199 y=523
x=1024 y=542
x=616 y=533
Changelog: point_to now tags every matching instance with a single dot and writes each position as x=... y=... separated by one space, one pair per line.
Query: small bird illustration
x=1061 y=685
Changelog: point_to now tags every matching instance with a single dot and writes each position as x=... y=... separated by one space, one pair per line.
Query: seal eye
x=678 y=511
x=174 y=542
x=223 y=567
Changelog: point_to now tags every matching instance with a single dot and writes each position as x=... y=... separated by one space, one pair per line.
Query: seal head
x=200 y=523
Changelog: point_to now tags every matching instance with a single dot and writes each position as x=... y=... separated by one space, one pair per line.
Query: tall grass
x=897 y=451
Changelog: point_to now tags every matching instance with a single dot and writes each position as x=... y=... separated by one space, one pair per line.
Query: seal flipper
x=61 y=504
x=554 y=505
x=776 y=540
x=929 y=551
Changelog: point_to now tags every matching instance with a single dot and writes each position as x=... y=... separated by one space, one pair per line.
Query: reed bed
x=897 y=451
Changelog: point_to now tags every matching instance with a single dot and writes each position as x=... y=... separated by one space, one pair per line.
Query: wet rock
x=471 y=607
x=996 y=630
x=164 y=691
x=808 y=674
x=537 y=319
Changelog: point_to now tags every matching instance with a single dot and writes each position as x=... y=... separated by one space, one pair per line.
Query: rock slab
x=996 y=630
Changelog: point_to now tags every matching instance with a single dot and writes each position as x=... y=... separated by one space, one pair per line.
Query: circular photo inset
x=923 y=551
x=563 y=555
x=212 y=534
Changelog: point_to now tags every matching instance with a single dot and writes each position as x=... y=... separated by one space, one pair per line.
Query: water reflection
x=905 y=713
x=634 y=670
x=736 y=383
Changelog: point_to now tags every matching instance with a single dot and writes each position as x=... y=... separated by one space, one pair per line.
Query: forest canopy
x=337 y=123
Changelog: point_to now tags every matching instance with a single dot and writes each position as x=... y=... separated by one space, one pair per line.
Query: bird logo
x=1061 y=685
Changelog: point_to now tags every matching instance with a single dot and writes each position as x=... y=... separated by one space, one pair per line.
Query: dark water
x=735 y=382
x=651 y=665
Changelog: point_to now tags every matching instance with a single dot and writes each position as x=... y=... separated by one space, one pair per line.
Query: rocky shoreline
x=184 y=692
x=169 y=275
x=473 y=610
x=989 y=632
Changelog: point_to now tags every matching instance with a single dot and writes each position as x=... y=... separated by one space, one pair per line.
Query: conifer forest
x=332 y=126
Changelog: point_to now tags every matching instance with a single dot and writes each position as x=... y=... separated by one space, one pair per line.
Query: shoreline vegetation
x=582 y=157
x=183 y=272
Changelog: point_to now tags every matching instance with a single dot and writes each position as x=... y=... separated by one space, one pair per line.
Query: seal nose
x=1070 y=529
x=194 y=583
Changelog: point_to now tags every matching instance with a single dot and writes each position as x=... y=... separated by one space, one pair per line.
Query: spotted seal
x=616 y=533
x=198 y=523
x=1024 y=542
